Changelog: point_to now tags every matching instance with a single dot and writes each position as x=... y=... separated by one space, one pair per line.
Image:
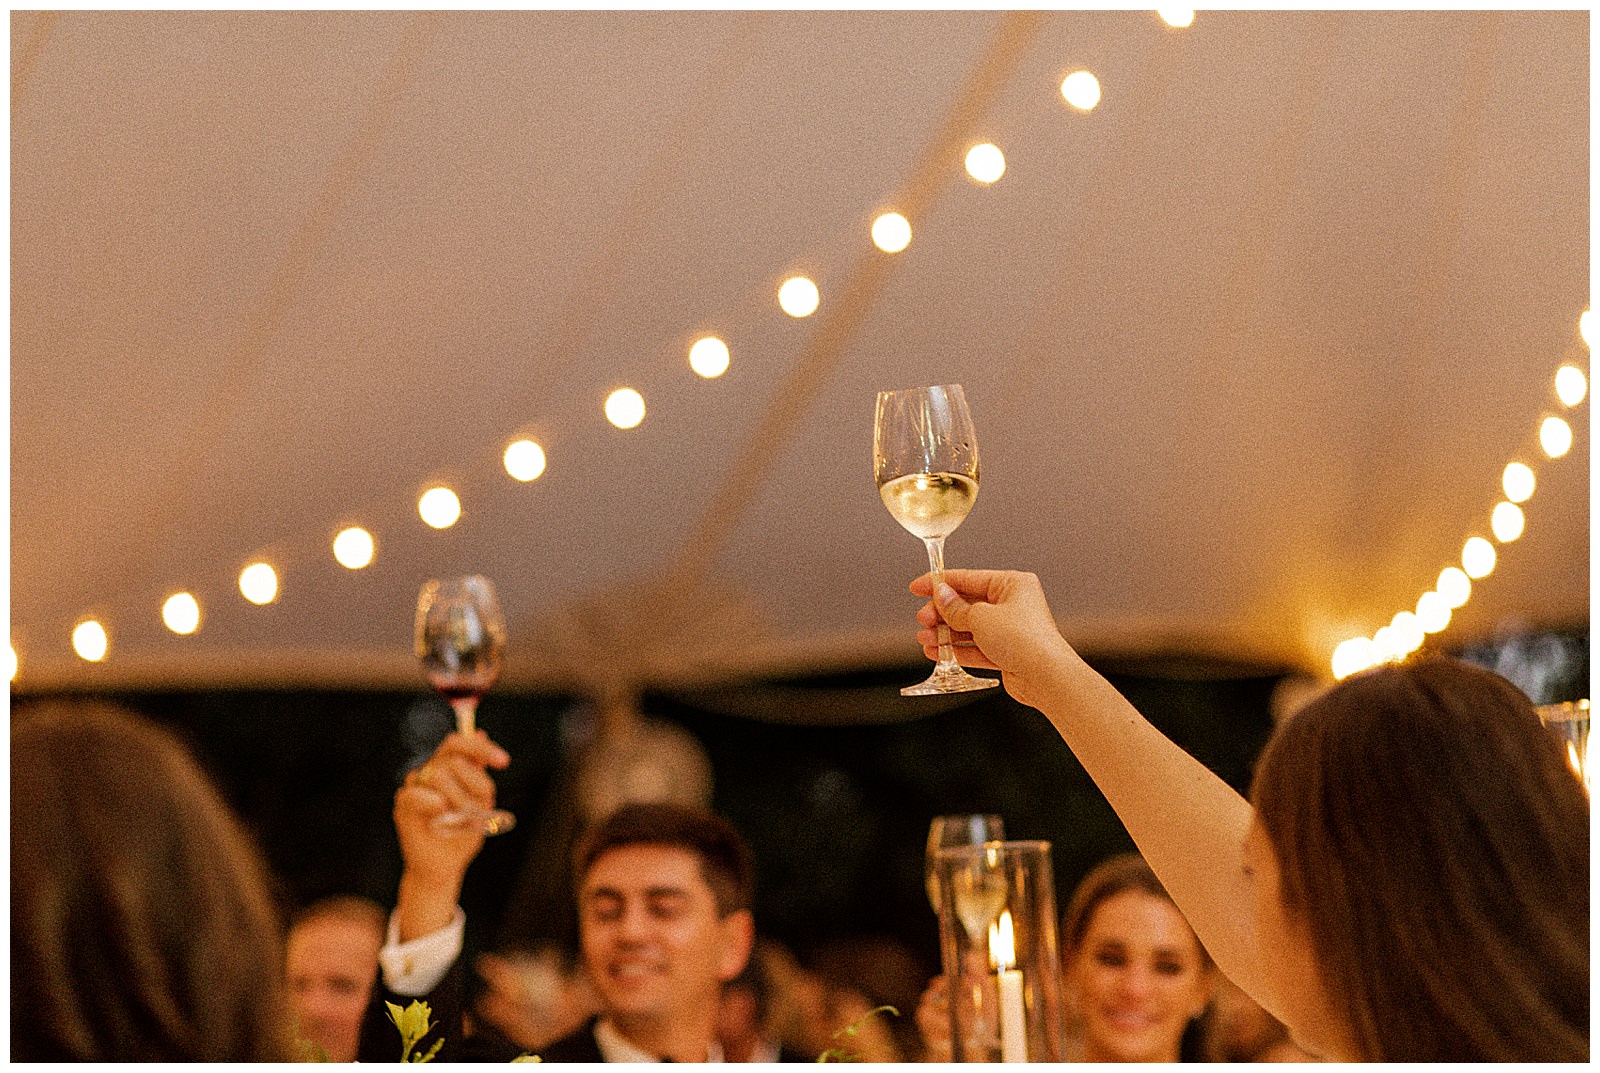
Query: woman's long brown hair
x=1435 y=845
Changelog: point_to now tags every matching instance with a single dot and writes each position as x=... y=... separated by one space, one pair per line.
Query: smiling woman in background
x=1137 y=976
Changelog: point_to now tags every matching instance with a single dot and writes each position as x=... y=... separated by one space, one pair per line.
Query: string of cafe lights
x=709 y=356
x=1408 y=630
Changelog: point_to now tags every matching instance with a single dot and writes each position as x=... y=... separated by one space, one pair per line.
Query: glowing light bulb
x=1179 y=18
x=524 y=459
x=1081 y=90
x=709 y=357
x=986 y=163
x=1455 y=586
x=1352 y=656
x=625 y=408
x=799 y=297
x=891 y=232
x=354 y=548
x=1586 y=328
x=1477 y=558
x=1571 y=385
x=1433 y=612
x=1555 y=436
x=1408 y=632
x=258 y=583
x=90 y=641
x=1507 y=522
x=13 y=663
x=1385 y=646
x=439 y=507
x=181 y=613
x=1518 y=482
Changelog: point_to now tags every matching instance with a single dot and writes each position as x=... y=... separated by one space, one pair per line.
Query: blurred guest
x=535 y=997
x=1239 y=1030
x=332 y=964
x=663 y=897
x=1409 y=881
x=142 y=929
x=1137 y=976
x=746 y=1024
x=862 y=973
x=1136 y=981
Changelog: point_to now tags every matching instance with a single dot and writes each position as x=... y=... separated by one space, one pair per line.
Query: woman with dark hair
x=1139 y=980
x=1136 y=978
x=141 y=925
x=1412 y=881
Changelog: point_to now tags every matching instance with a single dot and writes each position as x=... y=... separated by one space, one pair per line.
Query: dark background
x=836 y=814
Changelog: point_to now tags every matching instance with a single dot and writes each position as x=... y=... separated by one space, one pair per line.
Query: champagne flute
x=964 y=830
x=925 y=460
x=460 y=639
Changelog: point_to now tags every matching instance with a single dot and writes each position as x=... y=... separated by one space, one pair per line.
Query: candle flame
x=1002 y=943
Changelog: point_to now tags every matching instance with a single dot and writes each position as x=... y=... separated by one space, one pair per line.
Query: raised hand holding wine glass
x=925 y=460
x=460 y=639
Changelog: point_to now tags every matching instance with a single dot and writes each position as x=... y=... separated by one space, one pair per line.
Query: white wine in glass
x=925 y=460
x=460 y=639
x=969 y=829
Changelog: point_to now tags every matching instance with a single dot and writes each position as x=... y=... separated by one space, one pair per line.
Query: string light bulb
x=354 y=548
x=1477 y=558
x=986 y=163
x=90 y=641
x=1455 y=586
x=799 y=297
x=1571 y=385
x=709 y=357
x=1433 y=612
x=524 y=460
x=439 y=507
x=1179 y=18
x=1518 y=482
x=891 y=232
x=1081 y=90
x=258 y=583
x=1352 y=656
x=1586 y=328
x=625 y=408
x=181 y=613
x=1507 y=522
x=13 y=663
x=1555 y=436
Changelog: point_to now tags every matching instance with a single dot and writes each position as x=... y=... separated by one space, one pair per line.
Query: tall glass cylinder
x=997 y=936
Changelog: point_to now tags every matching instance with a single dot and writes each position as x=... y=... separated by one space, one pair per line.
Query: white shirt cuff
x=415 y=968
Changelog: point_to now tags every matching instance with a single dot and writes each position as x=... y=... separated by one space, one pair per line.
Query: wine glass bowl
x=961 y=830
x=460 y=641
x=925 y=462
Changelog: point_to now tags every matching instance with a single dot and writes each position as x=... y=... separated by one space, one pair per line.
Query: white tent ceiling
x=1248 y=345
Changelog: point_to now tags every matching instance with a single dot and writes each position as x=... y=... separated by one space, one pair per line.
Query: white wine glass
x=461 y=639
x=925 y=460
x=971 y=829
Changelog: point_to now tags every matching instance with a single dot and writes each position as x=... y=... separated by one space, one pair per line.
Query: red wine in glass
x=460 y=639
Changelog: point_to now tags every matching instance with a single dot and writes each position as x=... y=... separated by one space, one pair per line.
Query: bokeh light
x=258 y=583
x=1571 y=385
x=1478 y=558
x=1455 y=586
x=90 y=641
x=1179 y=18
x=13 y=663
x=439 y=507
x=986 y=163
x=181 y=613
x=891 y=232
x=1081 y=90
x=354 y=548
x=1507 y=522
x=709 y=357
x=1433 y=612
x=1518 y=482
x=1352 y=656
x=798 y=296
x=625 y=408
x=524 y=460
x=1555 y=436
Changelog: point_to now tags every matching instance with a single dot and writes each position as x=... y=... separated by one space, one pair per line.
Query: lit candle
x=1013 y=1028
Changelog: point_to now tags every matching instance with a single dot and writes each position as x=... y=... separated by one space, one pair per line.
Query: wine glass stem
x=947 y=654
x=466 y=709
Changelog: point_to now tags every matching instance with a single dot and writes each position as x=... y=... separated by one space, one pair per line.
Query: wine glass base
x=497 y=822
x=956 y=681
